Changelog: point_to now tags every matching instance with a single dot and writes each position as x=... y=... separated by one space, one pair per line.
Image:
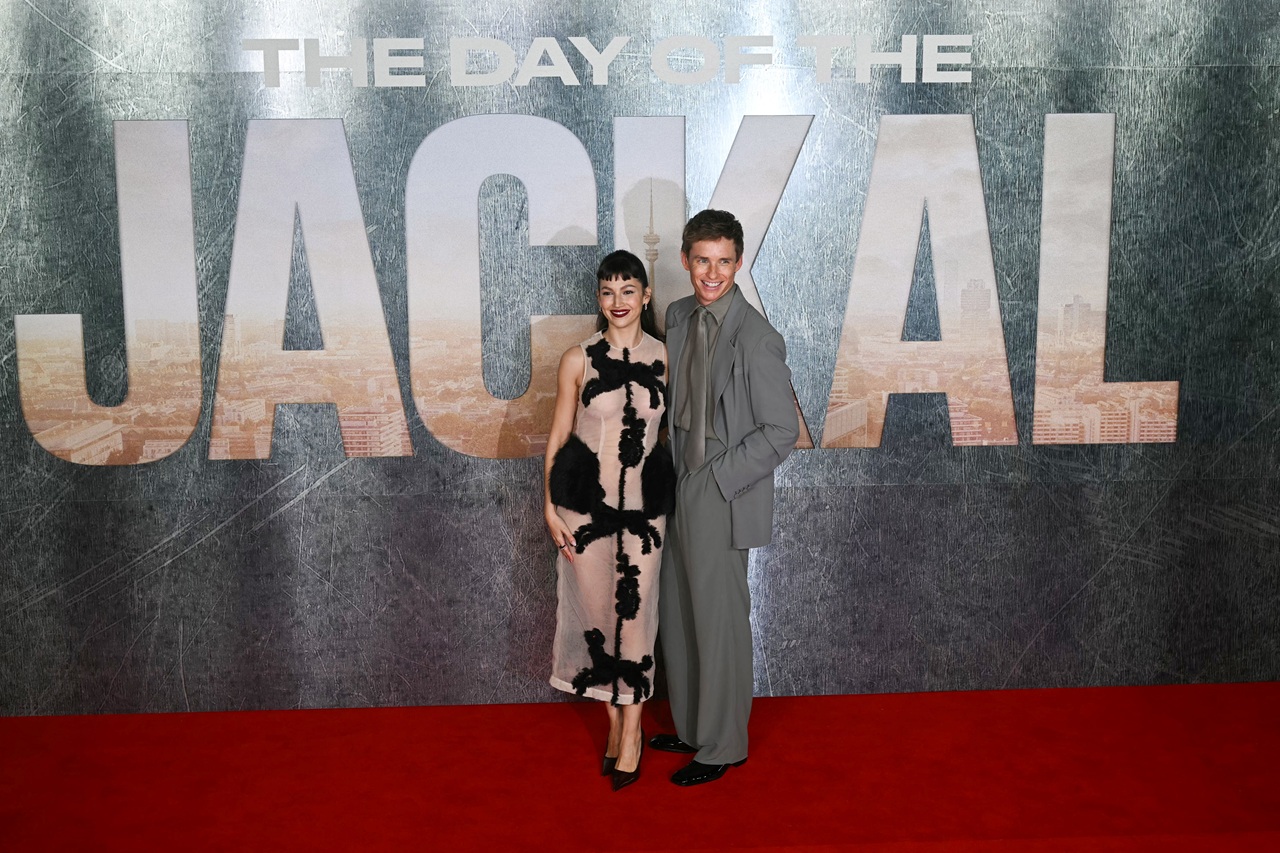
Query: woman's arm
x=568 y=386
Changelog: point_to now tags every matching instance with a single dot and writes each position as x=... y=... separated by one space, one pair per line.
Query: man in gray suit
x=733 y=420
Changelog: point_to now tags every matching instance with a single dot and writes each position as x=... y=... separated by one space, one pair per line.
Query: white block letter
x=460 y=50
x=442 y=255
x=925 y=162
x=1074 y=402
x=934 y=57
x=384 y=62
x=660 y=60
x=824 y=47
x=270 y=56
x=299 y=172
x=357 y=62
x=905 y=59
x=735 y=57
x=599 y=59
x=161 y=320
x=533 y=67
x=751 y=184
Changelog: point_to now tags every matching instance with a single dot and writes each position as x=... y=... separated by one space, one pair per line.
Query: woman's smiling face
x=621 y=301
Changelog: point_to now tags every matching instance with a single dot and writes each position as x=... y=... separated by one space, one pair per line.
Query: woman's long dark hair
x=624 y=265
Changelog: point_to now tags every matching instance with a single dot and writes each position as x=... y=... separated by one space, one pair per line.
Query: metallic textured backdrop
x=313 y=580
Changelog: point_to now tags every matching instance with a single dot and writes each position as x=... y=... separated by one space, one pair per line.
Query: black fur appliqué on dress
x=616 y=373
x=608 y=669
x=658 y=483
x=607 y=521
x=656 y=480
x=627 y=594
x=575 y=478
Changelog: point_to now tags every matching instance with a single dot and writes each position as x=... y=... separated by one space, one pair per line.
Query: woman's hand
x=560 y=532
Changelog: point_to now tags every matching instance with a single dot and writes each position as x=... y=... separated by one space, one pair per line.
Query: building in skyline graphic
x=84 y=444
x=458 y=408
x=1078 y=319
x=975 y=309
x=967 y=364
x=258 y=376
x=156 y=417
x=1075 y=405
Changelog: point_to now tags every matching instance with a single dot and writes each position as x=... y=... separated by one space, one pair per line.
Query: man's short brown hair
x=712 y=225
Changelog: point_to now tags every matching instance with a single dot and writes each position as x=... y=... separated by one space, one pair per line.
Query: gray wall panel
x=314 y=580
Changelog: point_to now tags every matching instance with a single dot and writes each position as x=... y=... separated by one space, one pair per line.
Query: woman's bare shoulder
x=573 y=360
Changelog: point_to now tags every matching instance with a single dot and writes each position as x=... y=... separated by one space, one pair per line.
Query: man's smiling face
x=712 y=264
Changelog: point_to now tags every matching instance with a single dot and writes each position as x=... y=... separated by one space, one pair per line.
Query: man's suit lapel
x=726 y=344
x=675 y=346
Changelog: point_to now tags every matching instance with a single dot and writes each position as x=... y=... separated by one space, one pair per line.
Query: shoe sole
x=710 y=778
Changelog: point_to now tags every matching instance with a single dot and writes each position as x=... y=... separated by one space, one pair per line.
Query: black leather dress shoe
x=671 y=743
x=696 y=773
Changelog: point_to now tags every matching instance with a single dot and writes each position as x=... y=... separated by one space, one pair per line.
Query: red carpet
x=1116 y=769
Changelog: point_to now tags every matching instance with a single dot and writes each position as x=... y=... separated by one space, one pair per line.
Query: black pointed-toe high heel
x=623 y=778
x=606 y=767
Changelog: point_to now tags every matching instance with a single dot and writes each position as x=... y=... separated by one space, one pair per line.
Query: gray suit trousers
x=704 y=620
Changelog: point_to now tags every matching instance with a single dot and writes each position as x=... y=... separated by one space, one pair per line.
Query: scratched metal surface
x=316 y=581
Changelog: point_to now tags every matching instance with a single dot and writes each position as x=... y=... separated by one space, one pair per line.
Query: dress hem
x=625 y=697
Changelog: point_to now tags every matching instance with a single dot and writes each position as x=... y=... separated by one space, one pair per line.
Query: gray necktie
x=695 y=445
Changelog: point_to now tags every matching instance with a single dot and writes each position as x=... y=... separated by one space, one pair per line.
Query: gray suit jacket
x=755 y=411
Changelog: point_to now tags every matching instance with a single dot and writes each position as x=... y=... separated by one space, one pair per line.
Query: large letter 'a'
x=921 y=162
x=298 y=175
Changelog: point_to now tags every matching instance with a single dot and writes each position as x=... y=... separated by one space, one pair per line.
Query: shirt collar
x=720 y=307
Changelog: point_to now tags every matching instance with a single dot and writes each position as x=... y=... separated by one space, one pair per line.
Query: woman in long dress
x=608 y=488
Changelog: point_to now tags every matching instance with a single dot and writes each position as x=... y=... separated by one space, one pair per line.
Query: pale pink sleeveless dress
x=613 y=485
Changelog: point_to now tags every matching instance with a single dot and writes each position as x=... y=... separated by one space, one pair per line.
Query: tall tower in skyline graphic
x=651 y=241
